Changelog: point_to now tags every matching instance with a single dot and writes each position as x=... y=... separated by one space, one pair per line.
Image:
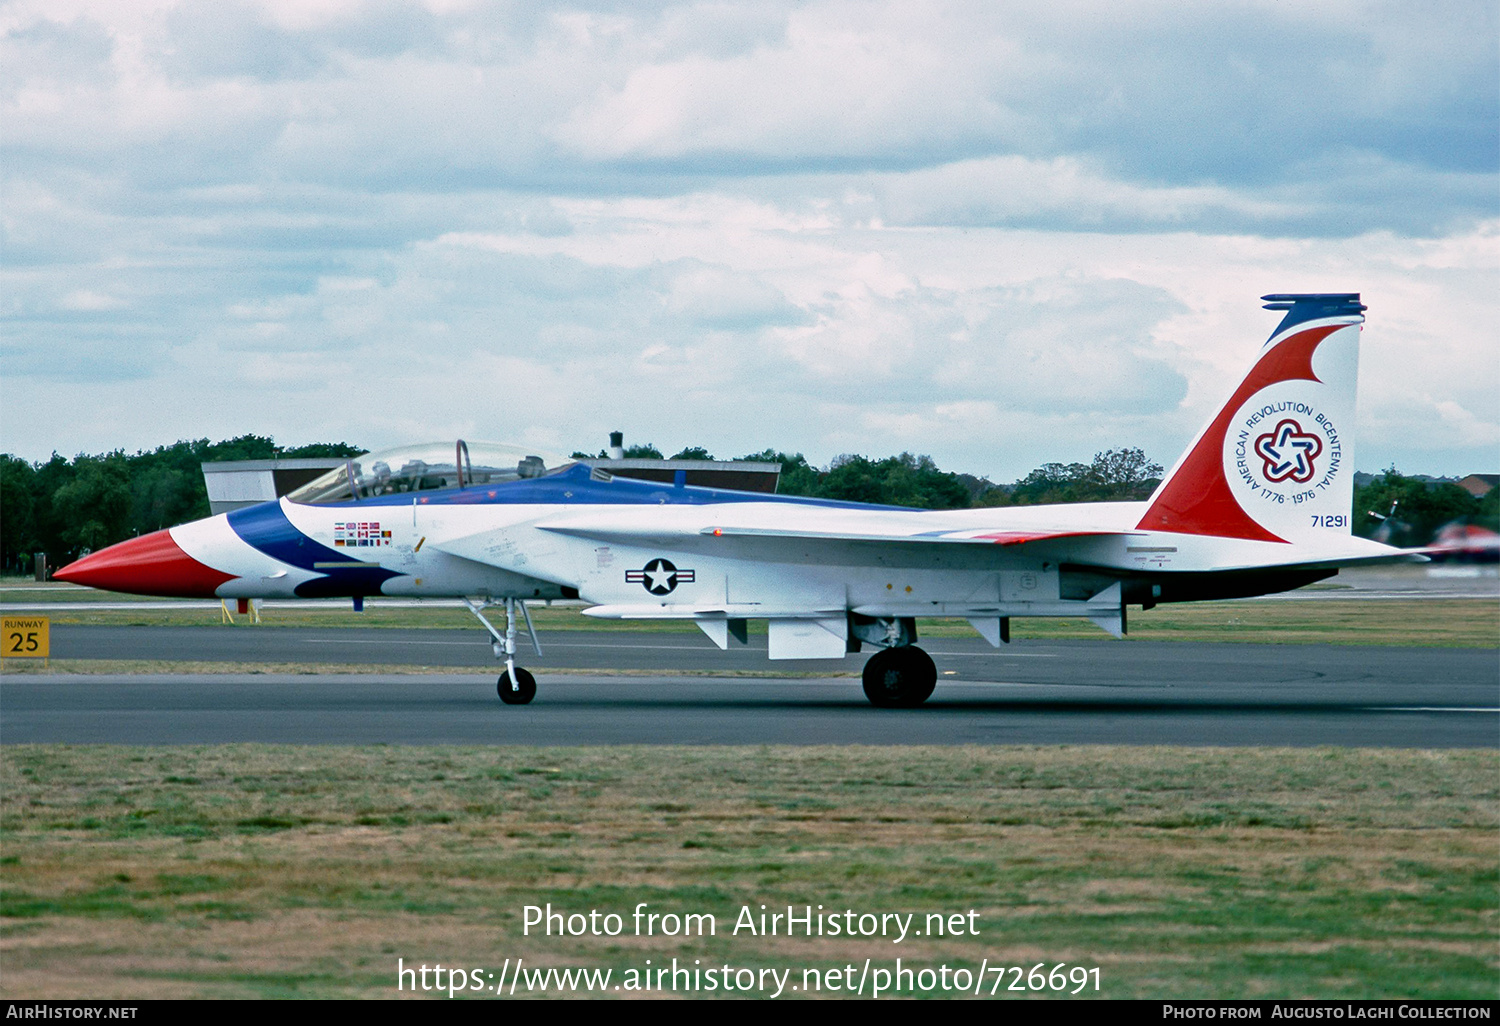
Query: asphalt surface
x=1077 y=692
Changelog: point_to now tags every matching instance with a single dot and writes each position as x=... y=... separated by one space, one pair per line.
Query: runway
x=1063 y=692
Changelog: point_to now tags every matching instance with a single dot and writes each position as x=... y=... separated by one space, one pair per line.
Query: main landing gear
x=516 y=685
x=900 y=675
x=899 y=678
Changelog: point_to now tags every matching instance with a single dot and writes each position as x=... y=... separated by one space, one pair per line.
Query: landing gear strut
x=516 y=685
x=899 y=678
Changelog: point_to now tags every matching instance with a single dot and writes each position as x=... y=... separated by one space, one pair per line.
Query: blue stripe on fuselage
x=575 y=485
x=266 y=528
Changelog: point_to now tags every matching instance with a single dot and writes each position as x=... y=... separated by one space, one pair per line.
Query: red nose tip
x=152 y=564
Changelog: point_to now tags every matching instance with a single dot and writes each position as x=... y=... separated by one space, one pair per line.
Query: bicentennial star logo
x=1288 y=453
x=659 y=577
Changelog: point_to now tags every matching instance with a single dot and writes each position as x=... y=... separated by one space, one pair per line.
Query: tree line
x=68 y=507
x=908 y=480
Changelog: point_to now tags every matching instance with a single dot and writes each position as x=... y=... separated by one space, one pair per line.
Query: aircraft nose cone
x=153 y=564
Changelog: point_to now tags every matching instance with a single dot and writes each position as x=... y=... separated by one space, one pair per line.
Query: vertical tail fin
x=1275 y=463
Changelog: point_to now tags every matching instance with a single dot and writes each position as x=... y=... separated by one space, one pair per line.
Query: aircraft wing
x=966 y=537
x=752 y=521
x=752 y=531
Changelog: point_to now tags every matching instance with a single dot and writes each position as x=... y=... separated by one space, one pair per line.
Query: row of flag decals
x=359 y=534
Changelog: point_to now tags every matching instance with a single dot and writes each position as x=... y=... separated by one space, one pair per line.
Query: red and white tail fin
x=1275 y=463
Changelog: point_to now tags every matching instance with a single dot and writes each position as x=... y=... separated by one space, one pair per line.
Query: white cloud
x=1464 y=428
x=840 y=82
x=1014 y=190
x=994 y=350
x=86 y=300
x=1002 y=235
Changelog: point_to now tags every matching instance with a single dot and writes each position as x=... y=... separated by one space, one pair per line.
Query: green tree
x=17 y=514
x=51 y=477
x=323 y=450
x=1487 y=514
x=631 y=452
x=166 y=486
x=163 y=495
x=979 y=489
x=63 y=507
x=1050 y=483
x=1420 y=508
x=245 y=447
x=852 y=478
x=693 y=452
x=1123 y=475
x=904 y=480
x=95 y=505
x=1115 y=475
x=797 y=476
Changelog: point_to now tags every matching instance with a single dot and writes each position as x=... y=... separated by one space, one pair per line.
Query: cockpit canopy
x=426 y=467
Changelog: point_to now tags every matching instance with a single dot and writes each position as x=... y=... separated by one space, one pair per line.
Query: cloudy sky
x=998 y=233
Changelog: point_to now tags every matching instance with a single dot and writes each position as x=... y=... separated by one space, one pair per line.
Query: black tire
x=899 y=678
x=524 y=691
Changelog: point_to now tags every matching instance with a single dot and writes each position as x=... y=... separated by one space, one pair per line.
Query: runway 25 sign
x=24 y=637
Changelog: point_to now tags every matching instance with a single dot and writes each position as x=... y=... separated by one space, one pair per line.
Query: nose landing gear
x=518 y=689
x=516 y=685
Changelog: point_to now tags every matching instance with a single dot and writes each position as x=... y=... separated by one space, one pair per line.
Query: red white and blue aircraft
x=1259 y=503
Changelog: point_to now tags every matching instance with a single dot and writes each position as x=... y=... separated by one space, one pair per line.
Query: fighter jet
x=1259 y=503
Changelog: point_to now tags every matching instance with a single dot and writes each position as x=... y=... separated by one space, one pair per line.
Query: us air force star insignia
x=1288 y=453
x=659 y=577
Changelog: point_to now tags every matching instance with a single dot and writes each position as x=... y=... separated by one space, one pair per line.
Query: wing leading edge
x=984 y=536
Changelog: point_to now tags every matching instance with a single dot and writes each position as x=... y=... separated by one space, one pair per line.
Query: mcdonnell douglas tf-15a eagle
x=1259 y=503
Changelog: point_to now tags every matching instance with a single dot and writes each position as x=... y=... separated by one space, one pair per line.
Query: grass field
x=274 y=871
x=245 y=870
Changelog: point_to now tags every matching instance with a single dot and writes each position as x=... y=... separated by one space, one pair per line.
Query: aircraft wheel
x=899 y=678
x=524 y=691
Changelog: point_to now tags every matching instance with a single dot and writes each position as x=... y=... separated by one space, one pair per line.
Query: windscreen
x=427 y=467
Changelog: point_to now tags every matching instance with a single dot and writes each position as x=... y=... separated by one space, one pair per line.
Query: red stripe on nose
x=152 y=564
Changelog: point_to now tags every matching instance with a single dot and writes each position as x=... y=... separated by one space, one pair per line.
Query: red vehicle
x=1465 y=543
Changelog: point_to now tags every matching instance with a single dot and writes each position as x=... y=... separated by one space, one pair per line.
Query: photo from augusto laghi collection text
x=867 y=978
